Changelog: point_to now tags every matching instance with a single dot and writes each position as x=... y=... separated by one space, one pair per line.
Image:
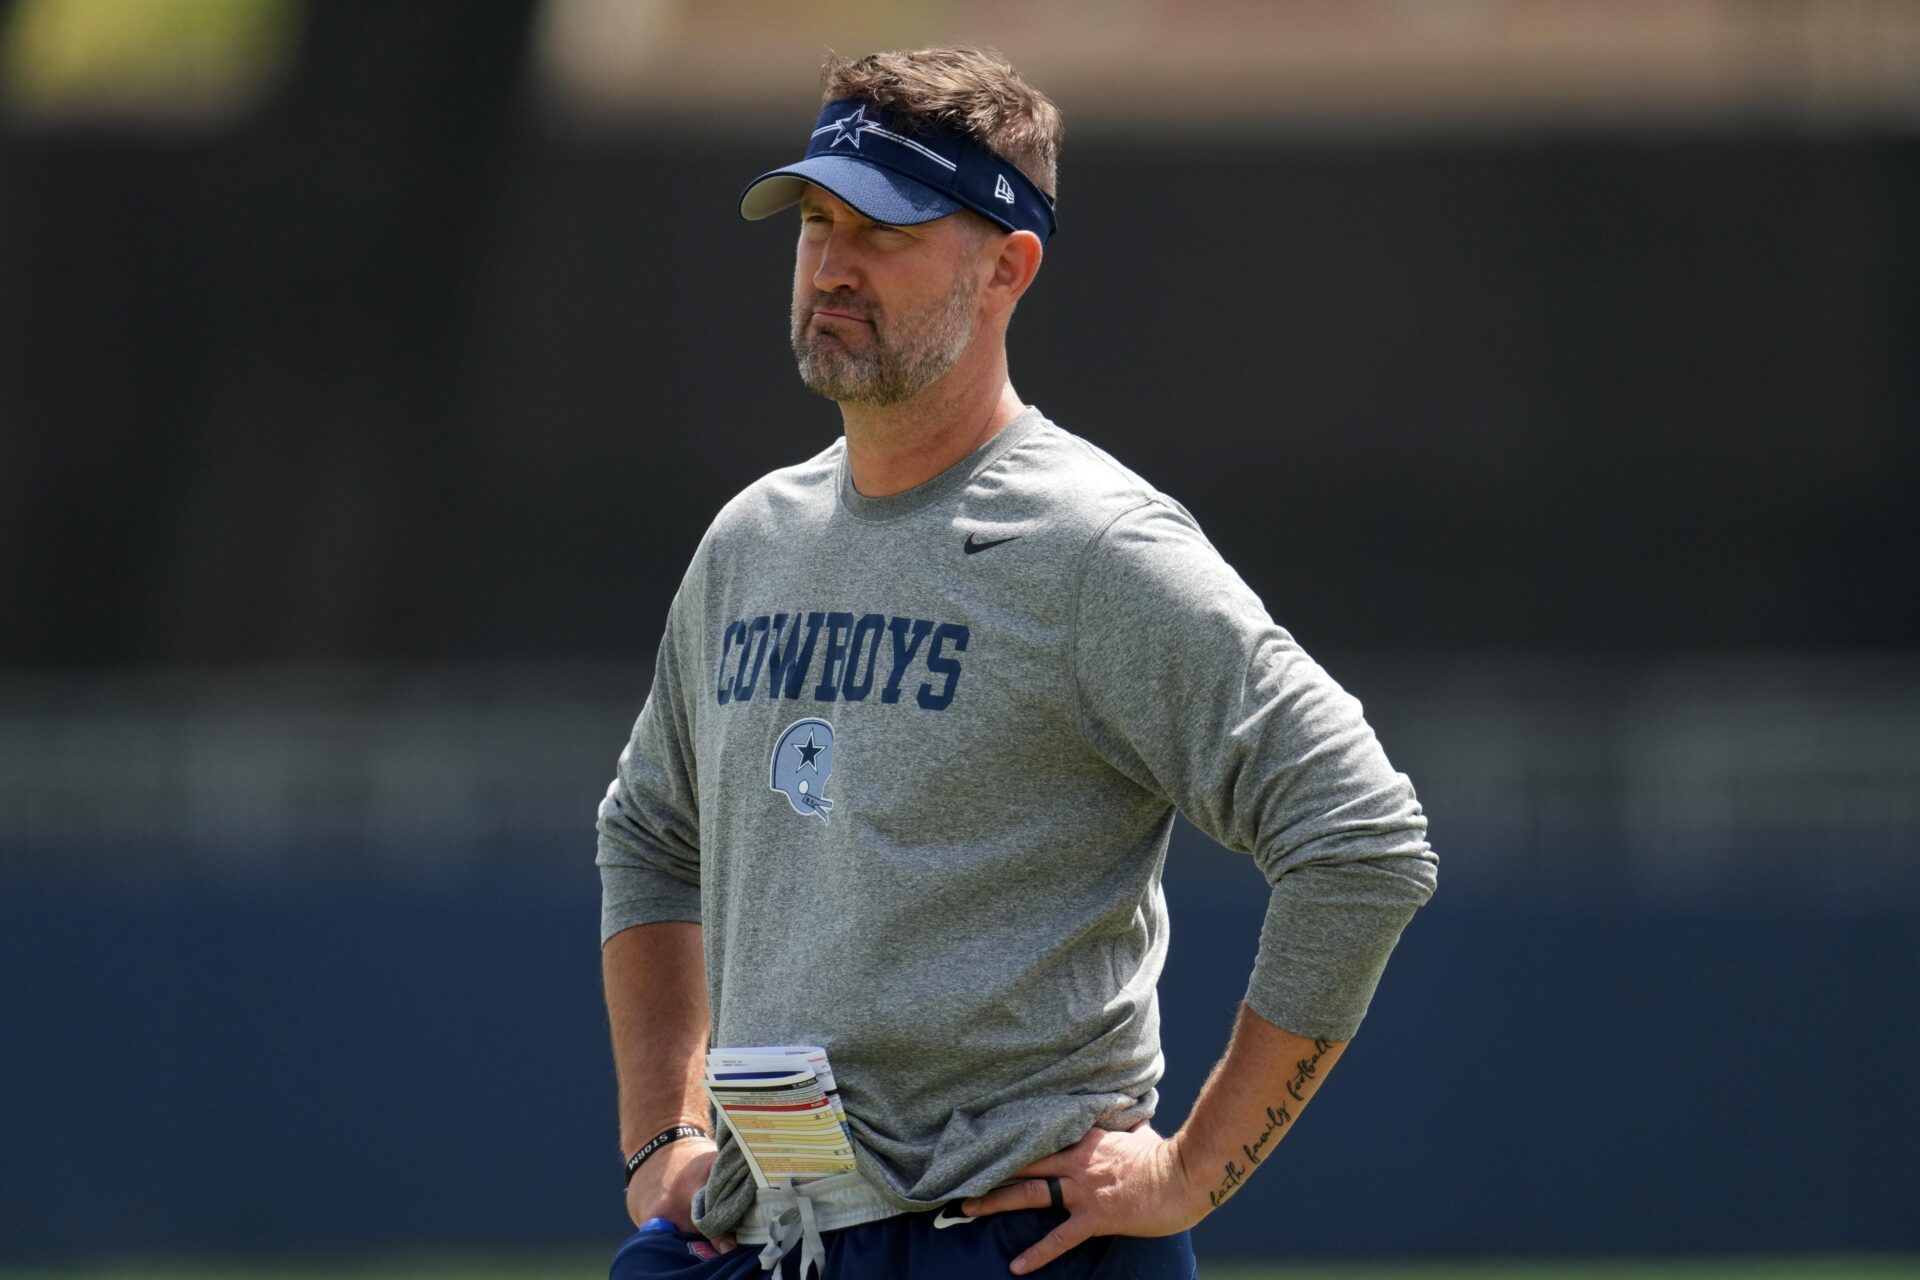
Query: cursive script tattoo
x=1277 y=1118
x=1306 y=1070
x=1234 y=1175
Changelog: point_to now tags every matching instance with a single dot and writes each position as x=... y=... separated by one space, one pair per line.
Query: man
x=921 y=717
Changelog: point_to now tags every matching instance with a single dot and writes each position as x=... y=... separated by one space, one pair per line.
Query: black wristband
x=658 y=1141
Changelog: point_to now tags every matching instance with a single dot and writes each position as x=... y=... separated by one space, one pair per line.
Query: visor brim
x=877 y=192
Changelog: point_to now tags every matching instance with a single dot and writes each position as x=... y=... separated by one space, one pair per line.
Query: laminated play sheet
x=781 y=1106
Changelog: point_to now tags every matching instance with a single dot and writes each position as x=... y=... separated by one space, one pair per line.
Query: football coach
x=925 y=707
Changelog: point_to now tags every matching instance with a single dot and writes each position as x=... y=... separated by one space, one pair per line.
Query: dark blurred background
x=369 y=372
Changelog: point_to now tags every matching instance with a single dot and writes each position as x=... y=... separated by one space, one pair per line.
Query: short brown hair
x=973 y=91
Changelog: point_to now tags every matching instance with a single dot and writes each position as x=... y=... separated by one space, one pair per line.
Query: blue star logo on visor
x=850 y=127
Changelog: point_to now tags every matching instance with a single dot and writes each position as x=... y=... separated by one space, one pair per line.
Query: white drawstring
x=789 y=1216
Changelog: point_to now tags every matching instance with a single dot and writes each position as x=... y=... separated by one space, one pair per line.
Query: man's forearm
x=1253 y=1098
x=656 y=987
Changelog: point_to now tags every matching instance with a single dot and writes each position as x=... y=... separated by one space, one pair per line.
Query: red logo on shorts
x=701 y=1249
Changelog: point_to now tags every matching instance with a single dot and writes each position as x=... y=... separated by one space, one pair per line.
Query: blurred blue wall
x=314 y=1062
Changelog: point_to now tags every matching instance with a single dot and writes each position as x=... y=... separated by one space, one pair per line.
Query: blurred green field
x=558 y=1267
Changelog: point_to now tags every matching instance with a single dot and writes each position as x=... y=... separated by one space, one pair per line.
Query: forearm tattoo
x=1279 y=1116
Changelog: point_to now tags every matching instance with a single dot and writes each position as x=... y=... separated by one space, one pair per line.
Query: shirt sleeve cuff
x=633 y=895
x=1327 y=936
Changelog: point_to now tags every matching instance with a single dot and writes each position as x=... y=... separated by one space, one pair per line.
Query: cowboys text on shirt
x=841 y=656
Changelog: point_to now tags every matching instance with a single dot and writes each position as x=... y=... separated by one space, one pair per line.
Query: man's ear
x=1012 y=269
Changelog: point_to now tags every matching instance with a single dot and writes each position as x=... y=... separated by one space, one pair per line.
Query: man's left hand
x=1111 y=1183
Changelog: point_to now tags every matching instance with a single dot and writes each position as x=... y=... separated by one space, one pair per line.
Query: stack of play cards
x=780 y=1103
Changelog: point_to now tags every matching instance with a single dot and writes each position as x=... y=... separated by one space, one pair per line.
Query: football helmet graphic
x=802 y=759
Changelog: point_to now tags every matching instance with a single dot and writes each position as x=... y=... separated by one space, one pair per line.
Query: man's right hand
x=664 y=1186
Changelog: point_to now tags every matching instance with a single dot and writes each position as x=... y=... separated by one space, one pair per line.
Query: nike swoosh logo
x=971 y=546
x=942 y=1220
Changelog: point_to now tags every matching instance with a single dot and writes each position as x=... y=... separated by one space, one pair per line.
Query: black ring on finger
x=1054 y=1198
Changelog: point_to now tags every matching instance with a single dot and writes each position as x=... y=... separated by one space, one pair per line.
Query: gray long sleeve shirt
x=913 y=762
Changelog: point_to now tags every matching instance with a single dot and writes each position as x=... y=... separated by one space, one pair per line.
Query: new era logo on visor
x=1002 y=189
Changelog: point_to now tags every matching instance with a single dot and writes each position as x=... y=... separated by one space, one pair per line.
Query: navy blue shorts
x=908 y=1247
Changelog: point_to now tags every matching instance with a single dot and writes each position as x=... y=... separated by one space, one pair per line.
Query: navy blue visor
x=901 y=177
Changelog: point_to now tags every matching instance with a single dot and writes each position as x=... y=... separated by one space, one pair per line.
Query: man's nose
x=837 y=268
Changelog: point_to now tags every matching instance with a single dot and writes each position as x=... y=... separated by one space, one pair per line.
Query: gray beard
x=909 y=356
